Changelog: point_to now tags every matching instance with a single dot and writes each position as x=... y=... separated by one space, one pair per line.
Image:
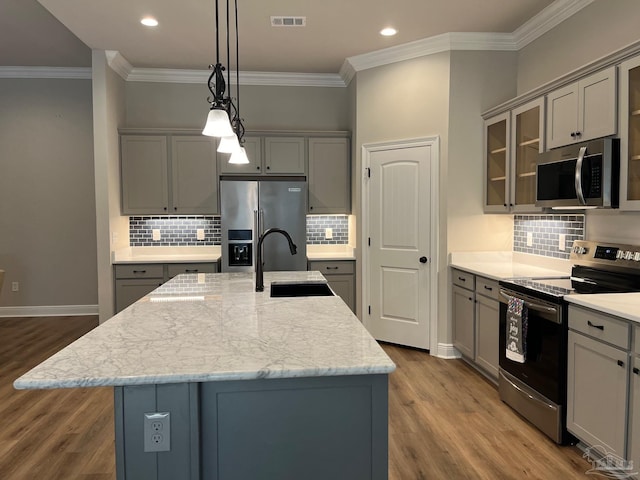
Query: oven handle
x=532 y=306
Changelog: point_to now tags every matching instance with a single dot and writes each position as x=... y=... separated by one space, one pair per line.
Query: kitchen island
x=256 y=387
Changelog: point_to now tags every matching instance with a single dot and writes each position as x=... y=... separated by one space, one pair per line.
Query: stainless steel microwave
x=580 y=176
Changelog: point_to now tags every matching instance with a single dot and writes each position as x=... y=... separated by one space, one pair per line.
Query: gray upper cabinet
x=253 y=147
x=144 y=168
x=284 y=156
x=583 y=110
x=329 y=176
x=194 y=175
x=181 y=180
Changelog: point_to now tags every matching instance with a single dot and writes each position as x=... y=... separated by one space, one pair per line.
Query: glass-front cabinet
x=513 y=141
x=630 y=134
x=497 y=146
x=527 y=137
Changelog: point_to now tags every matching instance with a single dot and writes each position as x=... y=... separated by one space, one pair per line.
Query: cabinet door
x=129 y=291
x=630 y=134
x=487 y=326
x=597 y=393
x=633 y=452
x=344 y=287
x=527 y=136
x=194 y=175
x=562 y=116
x=496 y=168
x=329 y=176
x=597 y=104
x=463 y=321
x=144 y=170
x=253 y=147
x=284 y=155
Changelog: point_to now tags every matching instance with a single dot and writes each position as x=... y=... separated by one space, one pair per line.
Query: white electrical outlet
x=562 y=244
x=155 y=233
x=529 y=239
x=15 y=286
x=328 y=233
x=200 y=234
x=157 y=432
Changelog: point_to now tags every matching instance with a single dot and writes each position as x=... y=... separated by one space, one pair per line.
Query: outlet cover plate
x=157 y=432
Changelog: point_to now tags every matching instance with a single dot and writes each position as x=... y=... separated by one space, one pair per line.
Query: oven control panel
x=627 y=256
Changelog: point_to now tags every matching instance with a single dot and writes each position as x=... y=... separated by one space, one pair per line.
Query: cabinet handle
x=462 y=279
x=310 y=208
x=578 y=134
x=191 y=271
x=599 y=327
x=488 y=288
x=636 y=371
x=165 y=209
x=258 y=167
x=573 y=134
x=504 y=204
x=470 y=299
x=333 y=268
x=268 y=167
x=175 y=208
x=620 y=363
x=139 y=271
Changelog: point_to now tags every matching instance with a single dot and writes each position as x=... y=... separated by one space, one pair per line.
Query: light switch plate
x=328 y=233
x=200 y=234
x=562 y=241
x=155 y=234
x=529 y=239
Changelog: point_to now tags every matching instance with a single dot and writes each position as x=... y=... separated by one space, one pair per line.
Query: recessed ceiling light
x=388 y=32
x=149 y=22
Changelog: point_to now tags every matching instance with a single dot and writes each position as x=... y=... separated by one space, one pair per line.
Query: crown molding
x=547 y=19
x=164 y=75
x=68 y=73
x=118 y=63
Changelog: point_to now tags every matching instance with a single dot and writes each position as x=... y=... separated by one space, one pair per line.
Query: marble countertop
x=214 y=327
x=504 y=265
x=624 y=305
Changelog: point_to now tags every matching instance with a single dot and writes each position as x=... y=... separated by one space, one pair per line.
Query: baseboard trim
x=447 y=351
x=49 y=311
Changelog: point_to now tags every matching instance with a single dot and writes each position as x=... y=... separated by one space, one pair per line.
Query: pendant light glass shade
x=239 y=156
x=218 y=124
x=228 y=144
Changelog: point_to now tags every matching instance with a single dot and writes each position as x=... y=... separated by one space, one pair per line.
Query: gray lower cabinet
x=598 y=379
x=329 y=176
x=134 y=281
x=168 y=174
x=633 y=450
x=340 y=275
x=476 y=320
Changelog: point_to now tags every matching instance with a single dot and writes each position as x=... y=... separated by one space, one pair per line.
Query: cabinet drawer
x=334 y=267
x=488 y=288
x=140 y=270
x=636 y=340
x=463 y=279
x=600 y=326
x=174 y=269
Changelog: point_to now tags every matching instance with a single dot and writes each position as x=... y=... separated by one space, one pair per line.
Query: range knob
x=636 y=257
x=620 y=255
x=628 y=255
x=577 y=249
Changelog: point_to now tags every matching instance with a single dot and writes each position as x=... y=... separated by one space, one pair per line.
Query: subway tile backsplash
x=181 y=231
x=545 y=233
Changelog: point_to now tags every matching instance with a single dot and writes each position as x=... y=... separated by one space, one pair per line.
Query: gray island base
x=257 y=387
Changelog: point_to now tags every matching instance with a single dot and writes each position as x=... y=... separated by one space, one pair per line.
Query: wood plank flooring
x=445 y=420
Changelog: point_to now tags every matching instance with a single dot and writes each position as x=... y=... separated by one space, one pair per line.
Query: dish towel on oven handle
x=516 y=330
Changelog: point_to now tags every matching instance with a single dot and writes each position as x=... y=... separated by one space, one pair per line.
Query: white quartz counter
x=166 y=255
x=503 y=265
x=624 y=305
x=208 y=327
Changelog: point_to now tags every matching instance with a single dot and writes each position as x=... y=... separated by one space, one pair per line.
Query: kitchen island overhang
x=298 y=383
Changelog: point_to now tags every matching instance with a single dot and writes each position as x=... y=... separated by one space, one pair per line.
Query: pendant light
x=218 y=122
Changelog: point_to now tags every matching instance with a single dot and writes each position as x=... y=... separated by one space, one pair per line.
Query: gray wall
x=261 y=107
x=47 y=205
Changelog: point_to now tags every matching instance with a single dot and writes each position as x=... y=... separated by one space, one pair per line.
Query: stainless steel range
x=536 y=386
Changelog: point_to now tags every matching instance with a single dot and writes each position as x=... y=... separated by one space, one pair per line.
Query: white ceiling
x=31 y=35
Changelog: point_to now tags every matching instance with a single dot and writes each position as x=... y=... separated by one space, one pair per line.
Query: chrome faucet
x=259 y=271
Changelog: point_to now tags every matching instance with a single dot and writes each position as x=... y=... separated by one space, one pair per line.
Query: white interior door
x=399 y=265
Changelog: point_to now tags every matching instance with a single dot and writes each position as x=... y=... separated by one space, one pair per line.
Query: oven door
x=544 y=368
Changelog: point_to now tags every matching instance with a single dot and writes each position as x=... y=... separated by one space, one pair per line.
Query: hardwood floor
x=445 y=420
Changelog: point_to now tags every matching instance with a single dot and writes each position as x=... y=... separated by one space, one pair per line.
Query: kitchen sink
x=301 y=289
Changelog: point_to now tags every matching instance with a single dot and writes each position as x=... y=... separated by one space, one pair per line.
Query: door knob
x=424 y=259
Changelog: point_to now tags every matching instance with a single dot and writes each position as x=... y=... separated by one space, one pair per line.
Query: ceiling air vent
x=288 y=21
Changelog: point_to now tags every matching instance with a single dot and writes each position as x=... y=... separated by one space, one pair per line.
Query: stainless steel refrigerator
x=248 y=208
